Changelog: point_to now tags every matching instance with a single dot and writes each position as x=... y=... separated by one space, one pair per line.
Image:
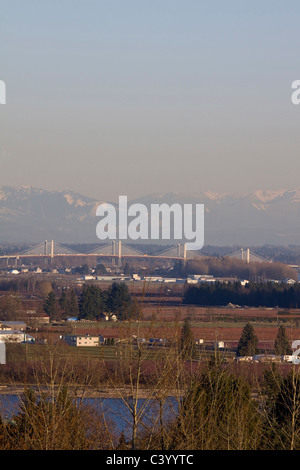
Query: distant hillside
x=263 y=217
x=33 y=215
x=258 y=218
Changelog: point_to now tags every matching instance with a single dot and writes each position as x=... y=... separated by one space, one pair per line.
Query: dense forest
x=91 y=303
x=253 y=294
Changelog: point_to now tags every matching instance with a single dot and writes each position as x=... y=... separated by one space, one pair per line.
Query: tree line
x=231 y=267
x=248 y=342
x=91 y=303
x=253 y=294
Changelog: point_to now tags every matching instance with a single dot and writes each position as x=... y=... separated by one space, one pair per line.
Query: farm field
x=210 y=325
x=162 y=316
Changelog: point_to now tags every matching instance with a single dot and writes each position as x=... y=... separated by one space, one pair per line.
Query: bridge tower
x=120 y=254
x=48 y=251
x=247 y=255
x=113 y=260
x=52 y=249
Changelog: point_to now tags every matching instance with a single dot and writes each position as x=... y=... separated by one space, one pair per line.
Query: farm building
x=13 y=325
x=86 y=340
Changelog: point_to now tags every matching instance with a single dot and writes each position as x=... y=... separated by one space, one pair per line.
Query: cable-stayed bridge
x=47 y=248
x=116 y=250
x=248 y=256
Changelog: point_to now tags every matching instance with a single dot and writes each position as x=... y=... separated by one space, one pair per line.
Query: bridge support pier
x=113 y=259
x=120 y=254
x=184 y=254
x=52 y=250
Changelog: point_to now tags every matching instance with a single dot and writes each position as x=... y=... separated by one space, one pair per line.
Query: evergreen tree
x=271 y=385
x=100 y=269
x=282 y=345
x=248 y=342
x=46 y=424
x=218 y=414
x=282 y=410
x=127 y=269
x=287 y=411
x=51 y=306
x=63 y=300
x=91 y=302
x=69 y=304
x=119 y=300
x=187 y=343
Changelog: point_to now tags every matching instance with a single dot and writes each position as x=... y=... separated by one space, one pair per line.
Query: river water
x=114 y=410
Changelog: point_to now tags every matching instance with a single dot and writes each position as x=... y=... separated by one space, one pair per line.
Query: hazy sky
x=112 y=97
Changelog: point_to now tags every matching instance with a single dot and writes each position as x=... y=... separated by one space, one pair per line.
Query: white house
x=84 y=340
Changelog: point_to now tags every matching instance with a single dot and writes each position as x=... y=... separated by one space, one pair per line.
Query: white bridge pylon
x=48 y=248
x=117 y=249
x=180 y=252
x=248 y=256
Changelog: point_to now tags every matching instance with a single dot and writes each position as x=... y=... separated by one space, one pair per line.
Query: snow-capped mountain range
x=30 y=214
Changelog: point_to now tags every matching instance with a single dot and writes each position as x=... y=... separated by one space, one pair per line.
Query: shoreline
x=87 y=393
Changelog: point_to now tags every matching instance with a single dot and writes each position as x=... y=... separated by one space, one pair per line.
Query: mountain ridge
x=32 y=214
